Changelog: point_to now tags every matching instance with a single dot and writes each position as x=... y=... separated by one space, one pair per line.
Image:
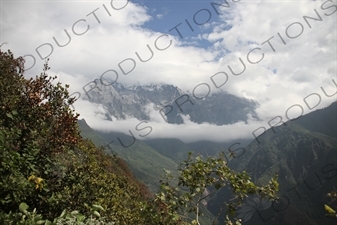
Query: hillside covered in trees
x=50 y=174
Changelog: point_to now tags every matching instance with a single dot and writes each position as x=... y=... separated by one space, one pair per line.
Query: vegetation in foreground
x=51 y=175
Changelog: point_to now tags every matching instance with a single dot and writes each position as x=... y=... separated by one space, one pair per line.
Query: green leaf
x=98 y=207
x=80 y=217
x=23 y=207
x=167 y=171
x=96 y=214
x=75 y=212
x=329 y=209
x=9 y=115
x=48 y=222
x=63 y=213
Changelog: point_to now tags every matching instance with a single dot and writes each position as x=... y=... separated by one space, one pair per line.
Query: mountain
x=122 y=101
x=145 y=163
x=302 y=152
x=304 y=155
x=174 y=149
x=177 y=150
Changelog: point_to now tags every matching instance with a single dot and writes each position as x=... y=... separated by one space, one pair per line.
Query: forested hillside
x=145 y=163
x=304 y=155
x=47 y=165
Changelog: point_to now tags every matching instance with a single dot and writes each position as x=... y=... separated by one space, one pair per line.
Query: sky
x=281 y=54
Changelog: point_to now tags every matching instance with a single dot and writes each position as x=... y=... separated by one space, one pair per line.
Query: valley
x=303 y=153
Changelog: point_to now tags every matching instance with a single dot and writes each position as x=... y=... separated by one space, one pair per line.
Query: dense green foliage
x=45 y=162
x=46 y=165
x=35 y=125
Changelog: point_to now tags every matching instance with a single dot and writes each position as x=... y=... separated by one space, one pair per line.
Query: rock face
x=170 y=102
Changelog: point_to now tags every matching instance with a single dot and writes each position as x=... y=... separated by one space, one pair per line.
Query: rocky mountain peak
x=123 y=101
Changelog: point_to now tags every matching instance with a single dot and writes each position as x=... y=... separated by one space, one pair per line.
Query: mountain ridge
x=304 y=155
x=123 y=101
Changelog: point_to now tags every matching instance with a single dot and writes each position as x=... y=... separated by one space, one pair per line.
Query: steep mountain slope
x=123 y=101
x=145 y=162
x=177 y=150
x=321 y=121
x=304 y=155
x=174 y=149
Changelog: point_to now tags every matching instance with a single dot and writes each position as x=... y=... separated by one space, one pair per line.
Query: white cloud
x=303 y=65
x=188 y=132
x=160 y=16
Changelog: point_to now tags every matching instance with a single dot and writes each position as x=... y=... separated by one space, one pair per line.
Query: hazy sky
x=288 y=49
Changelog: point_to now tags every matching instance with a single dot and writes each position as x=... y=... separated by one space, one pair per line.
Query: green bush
x=46 y=163
x=26 y=217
